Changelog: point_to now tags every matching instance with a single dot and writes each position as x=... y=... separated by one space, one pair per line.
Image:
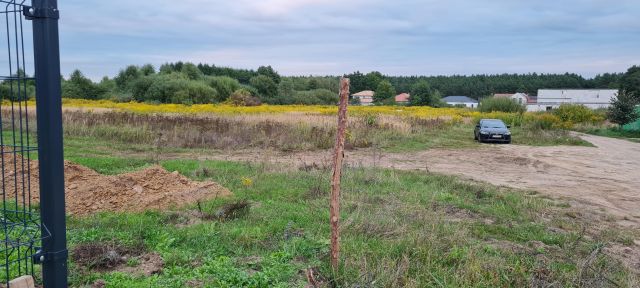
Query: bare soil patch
x=87 y=191
x=601 y=180
x=109 y=257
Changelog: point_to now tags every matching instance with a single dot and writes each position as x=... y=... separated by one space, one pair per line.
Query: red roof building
x=403 y=98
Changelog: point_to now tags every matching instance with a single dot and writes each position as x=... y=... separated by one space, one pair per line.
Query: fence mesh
x=21 y=227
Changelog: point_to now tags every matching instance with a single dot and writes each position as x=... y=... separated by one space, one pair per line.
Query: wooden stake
x=337 y=172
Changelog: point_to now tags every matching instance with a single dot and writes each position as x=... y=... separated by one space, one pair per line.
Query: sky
x=331 y=37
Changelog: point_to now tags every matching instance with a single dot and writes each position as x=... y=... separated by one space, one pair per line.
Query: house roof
x=459 y=99
x=502 y=95
x=532 y=99
x=365 y=93
x=402 y=97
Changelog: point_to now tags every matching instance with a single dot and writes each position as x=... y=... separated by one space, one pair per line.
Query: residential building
x=461 y=100
x=364 y=97
x=403 y=98
x=549 y=99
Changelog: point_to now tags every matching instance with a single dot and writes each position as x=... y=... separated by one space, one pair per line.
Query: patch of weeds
x=103 y=256
x=204 y=172
x=228 y=211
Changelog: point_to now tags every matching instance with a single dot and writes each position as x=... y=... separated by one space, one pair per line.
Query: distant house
x=522 y=98
x=549 y=99
x=461 y=100
x=364 y=97
x=403 y=98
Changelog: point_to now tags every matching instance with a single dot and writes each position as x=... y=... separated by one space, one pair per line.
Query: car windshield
x=493 y=124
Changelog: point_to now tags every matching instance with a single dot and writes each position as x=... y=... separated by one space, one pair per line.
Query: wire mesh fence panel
x=21 y=230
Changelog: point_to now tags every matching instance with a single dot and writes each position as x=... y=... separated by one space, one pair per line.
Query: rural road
x=605 y=177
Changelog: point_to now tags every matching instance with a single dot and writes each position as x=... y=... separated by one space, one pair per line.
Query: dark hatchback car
x=492 y=130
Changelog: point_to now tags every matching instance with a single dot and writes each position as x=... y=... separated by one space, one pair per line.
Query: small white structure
x=365 y=97
x=549 y=99
x=521 y=98
x=461 y=100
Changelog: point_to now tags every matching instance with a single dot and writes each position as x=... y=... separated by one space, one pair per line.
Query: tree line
x=189 y=83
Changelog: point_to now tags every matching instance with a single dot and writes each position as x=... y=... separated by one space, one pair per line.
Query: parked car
x=492 y=130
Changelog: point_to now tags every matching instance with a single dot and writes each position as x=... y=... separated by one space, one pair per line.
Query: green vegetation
x=477 y=86
x=492 y=104
x=631 y=135
x=623 y=109
x=423 y=95
x=188 y=83
x=400 y=228
x=384 y=93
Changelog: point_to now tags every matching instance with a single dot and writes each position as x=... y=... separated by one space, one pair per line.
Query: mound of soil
x=88 y=192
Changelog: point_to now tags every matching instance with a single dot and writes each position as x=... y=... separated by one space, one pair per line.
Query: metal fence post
x=44 y=14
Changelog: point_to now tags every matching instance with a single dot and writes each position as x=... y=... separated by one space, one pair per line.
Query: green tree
x=269 y=72
x=79 y=86
x=423 y=95
x=623 y=109
x=286 y=88
x=265 y=87
x=384 y=92
x=630 y=83
x=372 y=80
x=147 y=70
x=126 y=76
x=191 y=71
x=224 y=85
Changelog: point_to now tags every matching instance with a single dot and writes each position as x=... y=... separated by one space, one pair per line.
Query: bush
x=315 y=97
x=243 y=97
x=501 y=105
x=174 y=88
x=224 y=85
x=545 y=121
x=576 y=114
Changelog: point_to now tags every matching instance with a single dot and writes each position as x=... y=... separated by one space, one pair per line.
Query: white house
x=461 y=100
x=365 y=97
x=549 y=99
x=522 y=98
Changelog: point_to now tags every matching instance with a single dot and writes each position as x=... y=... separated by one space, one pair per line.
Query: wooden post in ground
x=337 y=172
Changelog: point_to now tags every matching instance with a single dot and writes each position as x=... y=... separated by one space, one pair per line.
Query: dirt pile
x=88 y=192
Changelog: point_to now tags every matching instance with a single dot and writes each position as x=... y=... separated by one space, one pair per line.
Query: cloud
x=336 y=37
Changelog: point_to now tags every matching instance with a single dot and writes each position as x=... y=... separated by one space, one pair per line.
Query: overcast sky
x=402 y=37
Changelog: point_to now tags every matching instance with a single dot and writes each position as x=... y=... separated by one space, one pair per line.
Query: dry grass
x=275 y=131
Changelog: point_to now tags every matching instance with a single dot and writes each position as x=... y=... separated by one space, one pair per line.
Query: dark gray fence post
x=44 y=14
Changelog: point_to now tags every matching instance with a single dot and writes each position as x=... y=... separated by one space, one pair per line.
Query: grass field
x=615 y=133
x=399 y=228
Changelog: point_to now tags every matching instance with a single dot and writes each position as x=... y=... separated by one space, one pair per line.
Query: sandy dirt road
x=604 y=178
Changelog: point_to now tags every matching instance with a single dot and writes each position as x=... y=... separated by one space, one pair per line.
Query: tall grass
x=282 y=131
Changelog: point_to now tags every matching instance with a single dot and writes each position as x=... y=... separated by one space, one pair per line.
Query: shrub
x=174 y=88
x=315 y=97
x=623 y=109
x=224 y=85
x=545 y=121
x=501 y=105
x=575 y=114
x=242 y=97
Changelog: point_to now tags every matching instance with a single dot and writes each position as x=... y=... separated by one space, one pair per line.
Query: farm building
x=549 y=99
x=461 y=100
x=522 y=98
x=402 y=98
x=365 y=97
